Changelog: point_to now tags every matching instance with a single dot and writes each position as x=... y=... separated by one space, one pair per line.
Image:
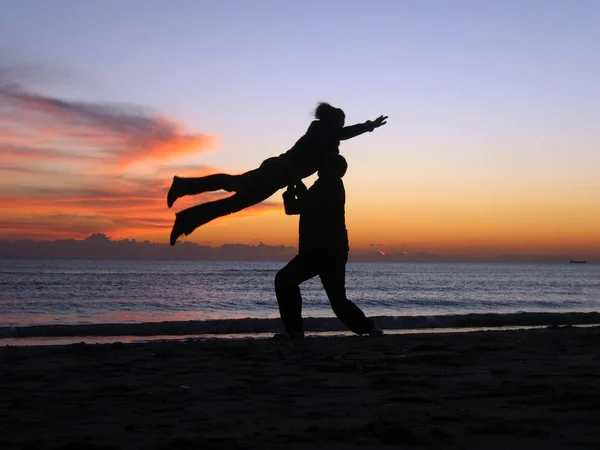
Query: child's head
x=333 y=167
x=330 y=115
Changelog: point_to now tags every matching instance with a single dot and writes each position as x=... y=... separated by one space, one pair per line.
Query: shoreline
x=130 y=339
x=255 y=326
x=492 y=389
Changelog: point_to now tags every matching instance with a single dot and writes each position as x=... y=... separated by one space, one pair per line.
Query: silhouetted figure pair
x=322 y=250
x=321 y=140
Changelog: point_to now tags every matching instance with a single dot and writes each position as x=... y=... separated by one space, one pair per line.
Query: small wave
x=312 y=324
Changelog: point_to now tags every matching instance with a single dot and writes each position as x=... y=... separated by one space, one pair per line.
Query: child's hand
x=381 y=120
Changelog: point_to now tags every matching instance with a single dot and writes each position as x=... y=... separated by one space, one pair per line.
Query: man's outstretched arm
x=356 y=130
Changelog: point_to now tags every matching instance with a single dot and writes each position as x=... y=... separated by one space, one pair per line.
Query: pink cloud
x=65 y=166
x=124 y=133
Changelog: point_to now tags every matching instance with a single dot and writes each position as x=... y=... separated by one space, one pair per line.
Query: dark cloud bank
x=99 y=246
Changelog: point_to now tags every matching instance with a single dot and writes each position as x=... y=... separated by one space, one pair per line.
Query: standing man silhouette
x=322 y=250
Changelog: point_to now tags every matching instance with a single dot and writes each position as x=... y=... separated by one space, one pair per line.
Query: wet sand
x=512 y=390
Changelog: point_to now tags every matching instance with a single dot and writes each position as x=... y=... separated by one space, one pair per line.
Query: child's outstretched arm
x=360 y=128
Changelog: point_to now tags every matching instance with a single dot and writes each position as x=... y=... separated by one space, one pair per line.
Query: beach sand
x=512 y=390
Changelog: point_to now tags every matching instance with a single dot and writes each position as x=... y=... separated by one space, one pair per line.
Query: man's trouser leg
x=332 y=271
x=287 y=290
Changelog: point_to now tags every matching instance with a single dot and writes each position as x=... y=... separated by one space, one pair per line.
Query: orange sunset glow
x=69 y=170
x=73 y=169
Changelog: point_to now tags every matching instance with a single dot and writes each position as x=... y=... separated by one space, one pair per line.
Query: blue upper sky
x=461 y=78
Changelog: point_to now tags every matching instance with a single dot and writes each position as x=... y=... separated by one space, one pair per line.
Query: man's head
x=333 y=167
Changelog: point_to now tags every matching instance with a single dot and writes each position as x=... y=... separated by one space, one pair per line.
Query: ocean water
x=80 y=293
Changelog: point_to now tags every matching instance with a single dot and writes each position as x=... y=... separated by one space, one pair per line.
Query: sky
x=492 y=144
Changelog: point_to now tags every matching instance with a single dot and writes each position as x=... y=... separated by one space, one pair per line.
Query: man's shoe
x=289 y=335
x=376 y=331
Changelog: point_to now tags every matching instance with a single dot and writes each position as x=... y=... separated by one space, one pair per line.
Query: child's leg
x=333 y=276
x=218 y=181
x=192 y=186
x=287 y=290
x=189 y=219
x=269 y=174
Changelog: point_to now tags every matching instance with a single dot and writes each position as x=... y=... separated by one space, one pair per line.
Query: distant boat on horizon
x=577 y=261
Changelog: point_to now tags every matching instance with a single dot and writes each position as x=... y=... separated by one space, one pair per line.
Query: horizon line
x=38 y=249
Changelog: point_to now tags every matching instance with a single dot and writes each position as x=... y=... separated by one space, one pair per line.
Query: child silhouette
x=321 y=140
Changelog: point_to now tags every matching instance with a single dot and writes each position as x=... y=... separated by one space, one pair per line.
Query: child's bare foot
x=177 y=231
x=173 y=194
